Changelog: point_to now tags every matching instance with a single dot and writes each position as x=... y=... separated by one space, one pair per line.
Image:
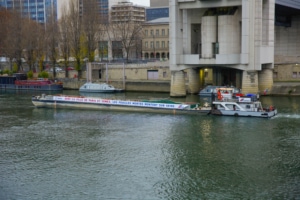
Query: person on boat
x=213 y=96
x=271 y=108
x=220 y=97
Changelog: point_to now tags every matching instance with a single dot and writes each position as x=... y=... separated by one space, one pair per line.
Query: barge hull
x=107 y=107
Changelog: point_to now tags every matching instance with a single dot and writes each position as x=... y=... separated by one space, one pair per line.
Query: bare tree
x=14 y=39
x=75 y=30
x=40 y=48
x=64 y=38
x=91 y=27
x=52 y=41
x=5 y=17
x=126 y=30
x=30 y=36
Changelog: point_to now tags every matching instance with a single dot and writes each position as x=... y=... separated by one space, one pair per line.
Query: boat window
x=221 y=107
x=248 y=106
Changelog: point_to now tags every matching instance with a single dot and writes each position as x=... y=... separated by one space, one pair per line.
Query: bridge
x=226 y=42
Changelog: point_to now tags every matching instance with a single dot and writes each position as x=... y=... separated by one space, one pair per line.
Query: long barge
x=154 y=106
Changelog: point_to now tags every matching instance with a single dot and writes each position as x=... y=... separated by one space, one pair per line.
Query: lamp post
x=154 y=56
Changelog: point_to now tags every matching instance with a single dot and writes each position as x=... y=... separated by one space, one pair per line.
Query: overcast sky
x=141 y=2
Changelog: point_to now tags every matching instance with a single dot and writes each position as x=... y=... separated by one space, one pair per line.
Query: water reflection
x=86 y=154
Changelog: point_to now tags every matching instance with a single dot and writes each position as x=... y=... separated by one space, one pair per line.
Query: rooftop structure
x=158 y=9
x=127 y=11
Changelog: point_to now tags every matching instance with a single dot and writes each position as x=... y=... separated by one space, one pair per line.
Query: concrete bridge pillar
x=265 y=80
x=250 y=82
x=177 y=84
x=194 y=81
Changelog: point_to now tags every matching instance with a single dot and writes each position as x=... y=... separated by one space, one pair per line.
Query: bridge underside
x=192 y=80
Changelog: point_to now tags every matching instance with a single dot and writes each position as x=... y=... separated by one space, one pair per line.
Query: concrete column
x=250 y=82
x=194 y=81
x=209 y=35
x=265 y=80
x=229 y=34
x=177 y=84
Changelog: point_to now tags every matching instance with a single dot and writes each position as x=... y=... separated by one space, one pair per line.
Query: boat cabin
x=241 y=104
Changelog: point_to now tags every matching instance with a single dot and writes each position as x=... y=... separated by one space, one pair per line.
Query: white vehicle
x=57 y=69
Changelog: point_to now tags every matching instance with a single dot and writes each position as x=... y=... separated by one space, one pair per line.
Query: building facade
x=157 y=9
x=155 y=13
x=127 y=11
x=104 y=7
x=37 y=10
x=156 y=39
x=234 y=39
x=123 y=39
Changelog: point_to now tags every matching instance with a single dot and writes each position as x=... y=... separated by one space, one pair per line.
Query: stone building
x=127 y=11
x=156 y=39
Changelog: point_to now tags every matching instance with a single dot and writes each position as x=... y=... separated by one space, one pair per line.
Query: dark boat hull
x=52 y=87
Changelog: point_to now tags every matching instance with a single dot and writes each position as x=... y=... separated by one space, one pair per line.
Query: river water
x=85 y=154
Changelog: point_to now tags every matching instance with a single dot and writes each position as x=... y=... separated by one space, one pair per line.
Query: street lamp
x=154 y=56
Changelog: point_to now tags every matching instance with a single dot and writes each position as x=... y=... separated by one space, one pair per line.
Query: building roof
x=162 y=20
x=289 y=3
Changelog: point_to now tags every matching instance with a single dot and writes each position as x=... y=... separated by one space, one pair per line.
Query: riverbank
x=278 y=89
x=285 y=89
x=127 y=85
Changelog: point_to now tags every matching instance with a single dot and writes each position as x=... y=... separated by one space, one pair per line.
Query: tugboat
x=247 y=106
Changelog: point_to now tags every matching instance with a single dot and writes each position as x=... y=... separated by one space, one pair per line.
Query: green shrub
x=15 y=68
x=30 y=74
x=43 y=74
x=7 y=71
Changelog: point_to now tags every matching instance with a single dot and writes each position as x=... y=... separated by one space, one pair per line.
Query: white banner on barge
x=120 y=102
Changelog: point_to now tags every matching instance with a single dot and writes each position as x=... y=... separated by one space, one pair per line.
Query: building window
x=103 y=49
x=157 y=32
x=146 y=44
x=163 y=32
x=157 y=44
x=164 y=74
x=152 y=74
x=146 y=32
x=151 y=32
x=163 y=45
x=206 y=74
x=298 y=74
x=294 y=74
x=117 y=49
x=151 y=44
